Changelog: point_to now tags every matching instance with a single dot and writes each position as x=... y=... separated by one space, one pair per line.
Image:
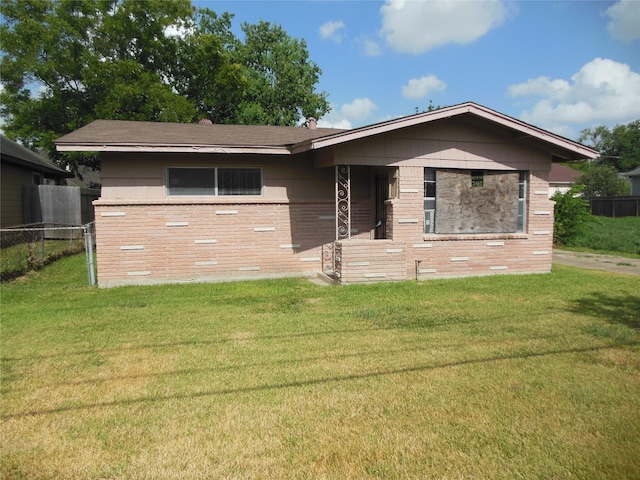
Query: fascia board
x=173 y=149
x=530 y=130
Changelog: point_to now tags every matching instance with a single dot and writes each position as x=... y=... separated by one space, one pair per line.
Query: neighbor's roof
x=561 y=174
x=633 y=173
x=125 y=136
x=16 y=154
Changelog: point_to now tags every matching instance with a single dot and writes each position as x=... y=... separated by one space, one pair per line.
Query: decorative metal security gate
x=343 y=202
x=330 y=251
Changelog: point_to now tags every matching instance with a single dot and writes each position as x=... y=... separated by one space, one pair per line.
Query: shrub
x=572 y=216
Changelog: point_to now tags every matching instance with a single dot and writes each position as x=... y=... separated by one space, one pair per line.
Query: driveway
x=610 y=263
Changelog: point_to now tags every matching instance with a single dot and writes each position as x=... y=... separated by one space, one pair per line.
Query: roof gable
x=470 y=112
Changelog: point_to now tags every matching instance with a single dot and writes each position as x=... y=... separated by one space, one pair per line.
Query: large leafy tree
x=67 y=62
x=281 y=77
x=619 y=147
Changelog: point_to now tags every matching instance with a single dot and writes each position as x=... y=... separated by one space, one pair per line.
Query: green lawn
x=503 y=377
x=18 y=258
x=615 y=236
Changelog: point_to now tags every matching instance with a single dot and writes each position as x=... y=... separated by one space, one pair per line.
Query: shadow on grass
x=420 y=325
x=306 y=383
x=279 y=363
x=617 y=310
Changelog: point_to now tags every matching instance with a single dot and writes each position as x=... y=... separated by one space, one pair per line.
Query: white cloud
x=359 y=109
x=347 y=114
x=625 y=20
x=417 y=27
x=331 y=120
x=601 y=92
x=370 y=47
x=332 y=30
x=423 y=86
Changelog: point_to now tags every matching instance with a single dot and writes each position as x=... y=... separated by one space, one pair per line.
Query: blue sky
x=560 y=65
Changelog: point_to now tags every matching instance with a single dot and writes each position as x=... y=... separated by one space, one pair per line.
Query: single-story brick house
x=457 y=191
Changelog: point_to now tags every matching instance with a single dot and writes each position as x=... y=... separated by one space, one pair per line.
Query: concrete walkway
x=610 y=263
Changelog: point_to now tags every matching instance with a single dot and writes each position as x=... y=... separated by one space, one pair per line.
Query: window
x=522 y=201
x=429 y=200
x=474 y=201
x=214 y=181
x=477 y=179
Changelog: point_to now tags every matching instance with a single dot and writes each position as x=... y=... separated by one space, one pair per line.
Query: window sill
x=448 y=237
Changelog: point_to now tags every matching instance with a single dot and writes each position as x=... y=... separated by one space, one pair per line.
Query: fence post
x=88 y=247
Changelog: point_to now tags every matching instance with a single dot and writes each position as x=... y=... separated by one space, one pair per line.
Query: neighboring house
x=23 y=167
x=561 y=178
x=458 y=191
x=634 y=178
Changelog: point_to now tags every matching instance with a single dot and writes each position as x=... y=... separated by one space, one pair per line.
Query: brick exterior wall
x=156 y=242
x=185 y=240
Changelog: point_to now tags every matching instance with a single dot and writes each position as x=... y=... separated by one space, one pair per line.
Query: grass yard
x=504 y=377
x=614 y=236
x=19 y=258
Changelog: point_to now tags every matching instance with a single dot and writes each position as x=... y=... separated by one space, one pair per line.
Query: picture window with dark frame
x=474 y=201
x=213 y=181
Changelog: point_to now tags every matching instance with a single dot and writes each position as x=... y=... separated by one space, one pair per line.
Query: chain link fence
x=31 y=247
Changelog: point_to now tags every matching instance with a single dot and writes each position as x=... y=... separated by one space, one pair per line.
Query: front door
x=382 y=194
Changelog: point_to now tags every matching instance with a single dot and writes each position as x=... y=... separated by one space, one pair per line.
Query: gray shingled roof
x=633 y=173
x=17 y=154
x=124 y=132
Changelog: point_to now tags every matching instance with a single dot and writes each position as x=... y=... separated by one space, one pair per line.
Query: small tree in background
x=619 y=147
x=572 y=215
x=602 y=181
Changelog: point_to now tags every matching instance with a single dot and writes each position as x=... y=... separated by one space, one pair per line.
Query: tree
x=281 y=78
x=67 y=62
x=619 y=148
x=572 y=215
x=602 y=181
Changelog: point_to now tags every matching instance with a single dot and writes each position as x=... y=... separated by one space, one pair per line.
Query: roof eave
x=50 y=171
x=123 y=148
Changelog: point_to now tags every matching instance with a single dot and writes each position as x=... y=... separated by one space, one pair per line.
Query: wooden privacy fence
x=57 y=204
x=616 y=207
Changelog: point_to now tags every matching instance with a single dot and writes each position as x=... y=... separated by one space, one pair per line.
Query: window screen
x=214 y=181
x=239 y=181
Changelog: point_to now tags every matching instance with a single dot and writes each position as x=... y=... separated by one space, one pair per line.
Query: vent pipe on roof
x=311 y=123
x=205 y=121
